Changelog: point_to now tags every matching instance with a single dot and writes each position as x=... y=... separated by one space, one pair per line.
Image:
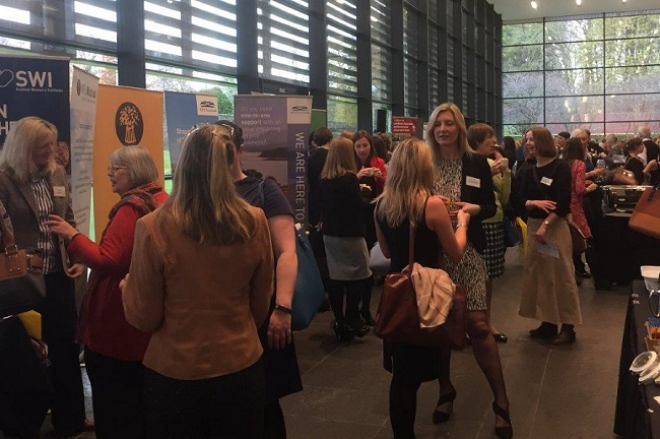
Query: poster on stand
x=182 y=111
x=36 y=86
x=276 y=130
x=83 y=112
x=125 y=116
x=404 y=127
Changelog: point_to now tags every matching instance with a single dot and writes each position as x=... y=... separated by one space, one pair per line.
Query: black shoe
x=440 y=416
x=583 y=273
x=342 y=332
x=503 y=432
x=564 y=338
x=500 y=338
x=358 y=328
x=545 y=331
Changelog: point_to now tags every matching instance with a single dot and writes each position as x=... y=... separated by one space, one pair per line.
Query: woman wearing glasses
x=33 y=186
x=200 y=281
x=113 y=348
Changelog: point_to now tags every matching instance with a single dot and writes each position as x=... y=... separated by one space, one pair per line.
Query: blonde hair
x=341 y=159
x=139 y=163
x=410 y=177
x=204 y=202
x=24 y=137
x=463 y=147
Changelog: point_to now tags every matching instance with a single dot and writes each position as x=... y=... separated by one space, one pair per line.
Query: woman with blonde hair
x=407 y=200
x=343 y=236
x=201 y=281
x=464 y=179
x=32 y=187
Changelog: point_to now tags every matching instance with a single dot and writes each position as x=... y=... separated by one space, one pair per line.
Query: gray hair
x=644 y=131
x=139 y=163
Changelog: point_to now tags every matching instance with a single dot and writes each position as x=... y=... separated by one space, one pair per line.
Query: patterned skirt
x=495 y=249
x=470 y=273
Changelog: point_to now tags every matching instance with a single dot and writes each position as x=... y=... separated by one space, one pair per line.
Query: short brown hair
x=477 y=133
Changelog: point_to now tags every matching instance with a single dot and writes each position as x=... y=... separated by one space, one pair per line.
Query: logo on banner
x=85 y=90
x=26 y=80
x=129 y=124
x=207 y=105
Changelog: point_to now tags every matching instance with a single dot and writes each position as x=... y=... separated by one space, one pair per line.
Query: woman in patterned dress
x=464 y=179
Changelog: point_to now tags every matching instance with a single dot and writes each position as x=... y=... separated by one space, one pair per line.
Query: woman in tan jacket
x=200 y=281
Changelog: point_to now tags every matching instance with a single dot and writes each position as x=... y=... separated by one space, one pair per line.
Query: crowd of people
x=186 y=321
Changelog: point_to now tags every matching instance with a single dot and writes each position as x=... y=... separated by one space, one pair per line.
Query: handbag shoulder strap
x=7 y=235
x=411 y=245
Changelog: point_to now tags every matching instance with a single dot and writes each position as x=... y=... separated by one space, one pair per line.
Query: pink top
x=578 y=189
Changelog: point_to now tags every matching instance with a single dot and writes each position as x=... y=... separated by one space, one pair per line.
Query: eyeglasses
x=114 y=168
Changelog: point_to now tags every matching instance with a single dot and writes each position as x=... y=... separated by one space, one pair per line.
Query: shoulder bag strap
x=411 y=246
x=8 y=240
x=262 y=195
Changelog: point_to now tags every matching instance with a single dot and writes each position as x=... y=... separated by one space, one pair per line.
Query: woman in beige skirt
x=549 y=291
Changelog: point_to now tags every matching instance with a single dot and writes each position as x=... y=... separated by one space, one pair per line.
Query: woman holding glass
x=464 y=179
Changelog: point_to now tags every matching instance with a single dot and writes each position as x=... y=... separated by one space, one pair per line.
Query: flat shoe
x=543 y=332
x=564 y=338
x=500 y=338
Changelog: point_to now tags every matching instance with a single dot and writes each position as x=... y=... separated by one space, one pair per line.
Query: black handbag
x=22 y=285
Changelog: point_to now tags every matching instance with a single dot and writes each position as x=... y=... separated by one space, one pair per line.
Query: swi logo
x=25 y=79
x=129 y=124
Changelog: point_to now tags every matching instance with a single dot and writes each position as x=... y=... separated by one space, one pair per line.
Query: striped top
x=46 y=243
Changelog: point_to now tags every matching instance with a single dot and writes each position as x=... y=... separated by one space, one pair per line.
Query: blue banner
x=31 y=86
x=275 y=130
x=182 y=111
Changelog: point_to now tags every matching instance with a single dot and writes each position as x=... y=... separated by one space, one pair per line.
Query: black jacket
x=476 y=172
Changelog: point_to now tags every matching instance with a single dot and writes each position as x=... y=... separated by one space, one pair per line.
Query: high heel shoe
x=357 y=327
x=440 y=416
x=342 y=331
x=368 y=318
x=503 y=432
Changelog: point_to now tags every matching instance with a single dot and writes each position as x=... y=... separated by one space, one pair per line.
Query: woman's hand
x=76 y=270
x=365 y=172
x=496 y=167
x=540 y=234
x=377 y=173
x=472 y=209
x=122 y=283
x=545 y=205
x=463 y=217
x=279 y=330
x=60 y=227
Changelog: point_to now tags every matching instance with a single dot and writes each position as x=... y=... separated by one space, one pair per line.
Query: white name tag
x=546 y=181
x=59 y=191
x=474 y=182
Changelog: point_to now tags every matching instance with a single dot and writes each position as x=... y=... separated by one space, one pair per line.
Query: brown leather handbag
x=22 y=286
x=398 y=317
x=646 y=216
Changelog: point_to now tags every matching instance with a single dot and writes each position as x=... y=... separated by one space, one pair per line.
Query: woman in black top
x=343 y=236
x=634 y=163
x=549 y=291
x=407 y=199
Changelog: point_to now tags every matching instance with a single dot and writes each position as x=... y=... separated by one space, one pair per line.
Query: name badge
x=474 y=182
x=546 y=181
x=59 y=191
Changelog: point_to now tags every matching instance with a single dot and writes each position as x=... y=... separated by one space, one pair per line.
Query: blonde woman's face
x=445 y=130
x=41 y=155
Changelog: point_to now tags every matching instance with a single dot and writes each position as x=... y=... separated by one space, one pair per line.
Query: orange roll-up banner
x=125 y=116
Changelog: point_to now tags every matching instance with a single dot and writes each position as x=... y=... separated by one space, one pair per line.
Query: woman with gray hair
x=33 y=186
x=114 y=349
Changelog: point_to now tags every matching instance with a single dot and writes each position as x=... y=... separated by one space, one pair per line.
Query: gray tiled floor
x=555 y=392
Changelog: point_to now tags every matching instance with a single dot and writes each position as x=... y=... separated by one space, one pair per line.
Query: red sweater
x=103 y=327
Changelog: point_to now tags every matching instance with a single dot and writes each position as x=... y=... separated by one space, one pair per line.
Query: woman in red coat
x=114 y=349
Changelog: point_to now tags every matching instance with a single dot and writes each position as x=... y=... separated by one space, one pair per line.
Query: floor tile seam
x=322 y=360
x=538 y=399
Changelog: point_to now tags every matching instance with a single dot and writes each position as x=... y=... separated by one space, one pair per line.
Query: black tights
x=403 y=406
x=354 y=291
x=274 y=426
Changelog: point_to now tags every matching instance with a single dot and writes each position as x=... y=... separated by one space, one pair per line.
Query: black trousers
x=225 y=407
x=59 y=322
x=116 y=395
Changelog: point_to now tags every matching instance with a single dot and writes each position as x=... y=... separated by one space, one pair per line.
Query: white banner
x=84 y=89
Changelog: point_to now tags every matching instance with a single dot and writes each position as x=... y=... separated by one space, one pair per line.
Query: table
x=620 y=251
x=632 y=419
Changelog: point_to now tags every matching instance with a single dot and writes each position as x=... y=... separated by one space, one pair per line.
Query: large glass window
x=600 y=72
x=342 y=48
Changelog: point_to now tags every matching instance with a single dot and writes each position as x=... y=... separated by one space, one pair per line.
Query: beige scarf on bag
x=435 y=293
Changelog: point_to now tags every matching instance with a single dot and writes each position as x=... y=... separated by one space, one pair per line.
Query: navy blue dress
x=282 y=372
